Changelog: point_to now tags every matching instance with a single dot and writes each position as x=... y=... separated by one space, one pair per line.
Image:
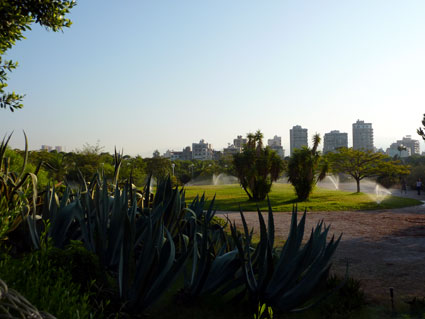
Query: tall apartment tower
x=334 y=140
x=275 y=144
x=298 y=137
x=239 y=141
x=362 y=136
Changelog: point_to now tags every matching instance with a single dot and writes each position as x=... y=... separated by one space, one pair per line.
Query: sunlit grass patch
x=282 y=198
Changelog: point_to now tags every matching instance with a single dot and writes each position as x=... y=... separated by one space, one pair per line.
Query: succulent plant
x=288 y=281
x=18 y=191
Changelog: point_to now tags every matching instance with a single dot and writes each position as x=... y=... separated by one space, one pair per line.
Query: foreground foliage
x=137 y=245
x=18 y=191
x=144 y=246
x=16 y=18
x=51 y=279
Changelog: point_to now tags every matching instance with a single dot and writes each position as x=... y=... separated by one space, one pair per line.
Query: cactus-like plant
x=288 y=282
x=18 y=191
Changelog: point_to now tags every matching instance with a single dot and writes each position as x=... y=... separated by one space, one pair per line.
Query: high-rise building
x=413 y=145
x=276 y=144
x=394 y=150
x=231 y=150
x=334 y=140
x=239 y=141
x=298 y=137
x=46 y=148
x=202 y=151
x=362 y=136
x=275 y=141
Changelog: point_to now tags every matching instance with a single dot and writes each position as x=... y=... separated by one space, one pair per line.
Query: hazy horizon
x=161 y=75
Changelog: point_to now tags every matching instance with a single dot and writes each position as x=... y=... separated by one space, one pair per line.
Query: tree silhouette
x=257 y=167
x=306 y=168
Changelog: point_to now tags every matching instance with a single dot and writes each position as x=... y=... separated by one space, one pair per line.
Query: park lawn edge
x=282 y=199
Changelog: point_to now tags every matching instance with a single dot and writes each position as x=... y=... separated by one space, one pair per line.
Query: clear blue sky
x=146 y=75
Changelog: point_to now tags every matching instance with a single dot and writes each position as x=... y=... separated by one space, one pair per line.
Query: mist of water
x=216 y=179
x=224 y=179
x=334 y=180
x=380 y=194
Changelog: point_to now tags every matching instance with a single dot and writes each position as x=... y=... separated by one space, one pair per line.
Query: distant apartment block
x=411 y=144
x=239 y=141
x=49 y=148
x=393 y=150
x=202 y=151
x=231 y=150
x=185 y=155
x=298 y=137
x=362 y=136
x=275 y=141
x=334 y=140
x=275 y=144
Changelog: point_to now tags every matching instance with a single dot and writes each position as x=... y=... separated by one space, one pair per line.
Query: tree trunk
x=246 y=191
x=358 y=185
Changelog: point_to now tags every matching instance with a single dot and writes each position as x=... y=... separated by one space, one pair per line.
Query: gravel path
x=384 y=248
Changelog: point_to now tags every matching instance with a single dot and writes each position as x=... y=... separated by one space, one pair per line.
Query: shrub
x=257 y=167
x=53 y=281
x=348 y=298
x=305 y=168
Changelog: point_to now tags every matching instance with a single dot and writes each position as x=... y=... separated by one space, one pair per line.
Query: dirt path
x=384 y=248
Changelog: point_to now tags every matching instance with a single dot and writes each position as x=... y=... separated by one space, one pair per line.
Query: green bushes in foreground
x=55 y=281
x=145 y=245
x=136 y=246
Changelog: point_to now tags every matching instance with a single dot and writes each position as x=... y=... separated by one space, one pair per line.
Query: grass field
x=282 y=198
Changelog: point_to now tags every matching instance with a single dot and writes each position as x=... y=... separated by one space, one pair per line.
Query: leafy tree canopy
x=16 y=17
x=421 y=130
x=361 y=164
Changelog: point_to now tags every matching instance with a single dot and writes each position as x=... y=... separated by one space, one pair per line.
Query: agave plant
x=18 y=191
x=214 y=263
x=133 y=244
x=288 y=281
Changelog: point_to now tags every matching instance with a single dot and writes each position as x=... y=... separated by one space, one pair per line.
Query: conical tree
x=306 y=168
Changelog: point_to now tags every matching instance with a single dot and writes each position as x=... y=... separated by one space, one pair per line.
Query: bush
x=350 y=297
x=53 y=280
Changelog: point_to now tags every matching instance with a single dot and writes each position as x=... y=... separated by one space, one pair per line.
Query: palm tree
x=251 y=141
x=257 y=167
x=306 y=168
x=258 y=137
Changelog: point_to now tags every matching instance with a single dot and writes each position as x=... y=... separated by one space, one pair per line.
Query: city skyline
x=144 y=76
x=406 y=140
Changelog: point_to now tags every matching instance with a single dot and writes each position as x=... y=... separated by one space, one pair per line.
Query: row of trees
x=257 y=167
x=83 y=164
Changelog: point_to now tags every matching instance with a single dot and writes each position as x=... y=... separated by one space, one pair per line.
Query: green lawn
x=282 y=198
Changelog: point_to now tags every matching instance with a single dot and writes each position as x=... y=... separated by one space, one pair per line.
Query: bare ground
x=384 y=248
